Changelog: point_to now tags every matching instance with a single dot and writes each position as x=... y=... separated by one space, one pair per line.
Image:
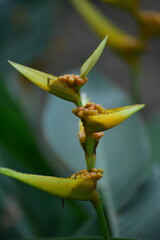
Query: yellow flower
x=80 y=186
x=95 y=118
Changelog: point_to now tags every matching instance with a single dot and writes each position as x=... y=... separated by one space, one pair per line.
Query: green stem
x=135 y=82
x=90 y=151
x=79 y=103
x=100 y=212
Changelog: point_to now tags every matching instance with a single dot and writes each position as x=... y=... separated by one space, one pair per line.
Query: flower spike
x=95 y=118
x=80 y=186
x=66 y=87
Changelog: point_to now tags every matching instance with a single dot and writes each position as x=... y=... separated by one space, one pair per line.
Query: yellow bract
x=82 y=188
x=49 y=83
x=37 y=77
x=111 y=118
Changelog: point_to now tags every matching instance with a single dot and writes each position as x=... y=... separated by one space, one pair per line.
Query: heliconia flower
x=67 y=86
x=95 y=118
x=80 y=186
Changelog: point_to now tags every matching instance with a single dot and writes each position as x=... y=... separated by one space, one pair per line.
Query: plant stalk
x=79 y=103
x=100 y=212
x=90 y=151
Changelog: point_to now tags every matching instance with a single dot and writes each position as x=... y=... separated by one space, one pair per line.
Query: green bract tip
x=91 y=61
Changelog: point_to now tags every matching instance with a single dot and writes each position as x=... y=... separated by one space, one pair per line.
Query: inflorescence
x=94 y=174
x=71 y=79
x=90 y=109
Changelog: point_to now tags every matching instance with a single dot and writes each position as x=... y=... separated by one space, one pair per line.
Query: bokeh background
x=38 y=132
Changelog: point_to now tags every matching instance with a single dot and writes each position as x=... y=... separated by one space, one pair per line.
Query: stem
x=90 y=151
x=79 y=103
x=100 y=212
x=135 y=81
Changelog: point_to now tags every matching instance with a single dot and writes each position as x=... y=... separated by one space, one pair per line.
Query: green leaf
x=91 y=61
x=20 y=142
x=146 y=207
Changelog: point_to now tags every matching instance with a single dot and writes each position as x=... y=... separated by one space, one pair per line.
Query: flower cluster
x=90 y=109
x=94 y=174
x=73 y=80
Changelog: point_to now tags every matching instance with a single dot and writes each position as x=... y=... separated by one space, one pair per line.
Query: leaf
x=91 y=61
x=20 y=142
x=145 y=207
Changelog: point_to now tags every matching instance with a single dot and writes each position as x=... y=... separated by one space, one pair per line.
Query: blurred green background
x=38 y=133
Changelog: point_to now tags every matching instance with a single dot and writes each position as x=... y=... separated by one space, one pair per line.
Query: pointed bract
x=100 y=119
x=91 y=61
x=49 y=83
x=72 y=188
x=37 y=77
